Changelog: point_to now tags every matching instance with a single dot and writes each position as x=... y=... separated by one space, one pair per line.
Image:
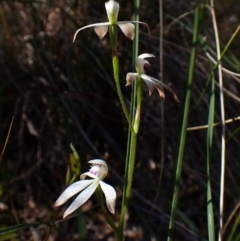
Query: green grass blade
x=11 y=231
x=184 y=126
x=210 y=213
x=235 y=230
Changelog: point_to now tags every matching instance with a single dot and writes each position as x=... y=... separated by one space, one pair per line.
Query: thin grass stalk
x=162 y=104
x=222 y=110
x=235 y=230
x=235 y=212
x=7 y=139
x=210 y=213
x=132 y=157
x=183 y=132
x=132 y=111
x=51 y=224
x=133 y=91
x=132 y=137
x=128 y=185
x=218 y=61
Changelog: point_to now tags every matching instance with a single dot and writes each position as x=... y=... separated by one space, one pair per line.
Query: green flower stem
x=119 y=234
x=132 y=158
x=139 y=104
x=115 y=63
x=113 y=38
x=100 y=199
x=132 y=135
x=131 y=164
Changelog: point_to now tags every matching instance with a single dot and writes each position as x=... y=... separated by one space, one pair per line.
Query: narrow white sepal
x=101 y=31
x=82 y=197
x=149 y=84
x=72 y=190
x=128 y=29
x=110 y=195
x=90 y=26
x=159 y=82
x=130 y=77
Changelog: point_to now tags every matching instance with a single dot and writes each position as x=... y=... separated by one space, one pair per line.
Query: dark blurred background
x=61 y=92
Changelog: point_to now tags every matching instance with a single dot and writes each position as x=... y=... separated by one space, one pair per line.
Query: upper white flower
x=149 y=81
x=98 y=171
x=101 y=29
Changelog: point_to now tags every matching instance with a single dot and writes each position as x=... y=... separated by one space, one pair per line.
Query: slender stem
x=223 y=143
x=132 y=156
x=128 y=155
x=52 y=223
x=133 y=89
x=183 y=128
x=113 y=38
x=132 y=135
x=139 y=104
x=128 y=185
x=115 y=63
x=162 y=103
x=210 y=213
x=7 y=138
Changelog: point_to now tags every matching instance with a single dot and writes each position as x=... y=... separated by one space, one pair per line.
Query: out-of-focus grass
x=62 y=93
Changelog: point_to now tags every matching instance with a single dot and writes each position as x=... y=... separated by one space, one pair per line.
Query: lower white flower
x=149 y=81
x=97 y=172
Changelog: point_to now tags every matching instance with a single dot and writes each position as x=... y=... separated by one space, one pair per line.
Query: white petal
x=101 y=31
x=128 y=29
x=140 y=62
x=157 y=83
x=166 y=87
x=72 y=190
x=130 y=77
x=149 y=84
x=89 y=26
x=112 y=9
x=147 y=78
x=82 y=197
x=145 y=24
x=146 y=55
x=110 y=195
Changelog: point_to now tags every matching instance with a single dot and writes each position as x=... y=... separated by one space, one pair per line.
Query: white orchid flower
x=149 y=81
x=101 y=29
x=97 y=172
